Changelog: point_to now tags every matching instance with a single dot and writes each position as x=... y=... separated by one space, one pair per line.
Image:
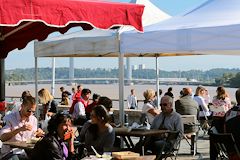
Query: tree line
x=218 y=76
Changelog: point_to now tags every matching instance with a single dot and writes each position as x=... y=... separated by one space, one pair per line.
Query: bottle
x=126 y=120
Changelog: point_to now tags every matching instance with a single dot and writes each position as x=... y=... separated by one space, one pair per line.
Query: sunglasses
x=163 y=104
x=30 y=111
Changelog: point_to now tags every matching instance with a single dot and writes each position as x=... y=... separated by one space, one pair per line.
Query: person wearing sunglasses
x=168 y=119
x=20 y=125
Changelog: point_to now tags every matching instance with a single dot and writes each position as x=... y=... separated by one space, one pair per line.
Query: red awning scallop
x=22 y=21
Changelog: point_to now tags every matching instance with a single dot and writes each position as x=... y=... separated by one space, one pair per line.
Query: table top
x=148 y=157
x=18 y=144
x=123 y=131
x=63 y=106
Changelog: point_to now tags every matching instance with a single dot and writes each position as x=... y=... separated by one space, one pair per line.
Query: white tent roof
x=212 y=28
x=94 y=43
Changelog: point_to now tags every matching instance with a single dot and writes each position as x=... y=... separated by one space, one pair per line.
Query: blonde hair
x=199 y=90
x=148 y=94
x=44 y=96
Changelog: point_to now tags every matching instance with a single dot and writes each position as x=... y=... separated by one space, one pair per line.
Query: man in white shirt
x=79 y=112
x=20 y=125
x=132 y=100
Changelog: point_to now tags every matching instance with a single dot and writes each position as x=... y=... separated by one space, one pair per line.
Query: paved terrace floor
x=202 y=149
x=184 y=151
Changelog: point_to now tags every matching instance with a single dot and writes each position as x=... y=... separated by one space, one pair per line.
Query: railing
x=58 y=99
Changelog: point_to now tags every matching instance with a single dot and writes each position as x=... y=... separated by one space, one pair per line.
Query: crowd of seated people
x=97 y=126
x=21 y=125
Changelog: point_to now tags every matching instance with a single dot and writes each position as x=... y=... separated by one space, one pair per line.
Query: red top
x=90 y=107
x=2 y=106
x=85 y=103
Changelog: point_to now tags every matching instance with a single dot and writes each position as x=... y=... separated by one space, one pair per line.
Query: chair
x=203 y=121
x=173 y=138
x=191 y=121
x=225 y=145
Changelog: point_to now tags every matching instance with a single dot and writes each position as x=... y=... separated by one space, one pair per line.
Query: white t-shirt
x=146 y=107
x=132 y=101
x=201 y=102
x=79 y=110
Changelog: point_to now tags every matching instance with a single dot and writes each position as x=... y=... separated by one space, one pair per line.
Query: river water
x=111 y=90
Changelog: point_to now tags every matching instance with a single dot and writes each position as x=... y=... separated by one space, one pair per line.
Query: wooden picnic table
x=127 y=133
x=148 y=157
x=123 y=131
x=21 y=145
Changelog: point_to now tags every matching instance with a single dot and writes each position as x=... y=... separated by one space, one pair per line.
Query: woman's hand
x=71 y=141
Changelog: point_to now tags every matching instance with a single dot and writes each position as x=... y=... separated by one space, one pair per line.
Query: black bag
x=147 y=143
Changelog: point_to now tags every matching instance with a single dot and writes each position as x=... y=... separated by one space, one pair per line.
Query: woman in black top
x=53 y=145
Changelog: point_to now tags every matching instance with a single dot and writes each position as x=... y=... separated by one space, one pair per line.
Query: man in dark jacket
x=186 y=105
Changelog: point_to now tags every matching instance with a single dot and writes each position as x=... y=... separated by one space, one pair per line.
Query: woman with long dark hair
x=98 y=132
x=53 y=145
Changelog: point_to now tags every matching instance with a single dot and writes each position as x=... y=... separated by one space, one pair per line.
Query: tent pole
x=129 y=71
x=121 y=84
x=2 y=80
x=53 y=77
x=71 y=70
x=157 y=82
x=121 y=88
x=36 y=85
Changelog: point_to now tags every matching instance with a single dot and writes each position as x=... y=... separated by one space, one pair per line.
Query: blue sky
x=25 y=58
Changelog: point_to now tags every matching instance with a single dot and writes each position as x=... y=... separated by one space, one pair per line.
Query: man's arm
x=8 y=135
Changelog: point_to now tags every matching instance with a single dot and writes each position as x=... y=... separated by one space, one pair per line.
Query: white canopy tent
x=93 y=43
x=212 y=28
x=97 y=43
